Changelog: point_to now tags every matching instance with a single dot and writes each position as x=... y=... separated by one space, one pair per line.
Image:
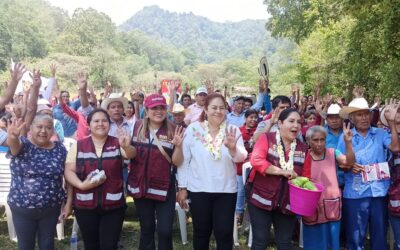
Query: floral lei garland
x=214 y=147
x=289 y=164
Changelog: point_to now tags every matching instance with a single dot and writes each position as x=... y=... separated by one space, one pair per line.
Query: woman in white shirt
x=208 y=174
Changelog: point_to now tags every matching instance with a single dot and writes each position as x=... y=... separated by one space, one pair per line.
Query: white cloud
x=216 y=10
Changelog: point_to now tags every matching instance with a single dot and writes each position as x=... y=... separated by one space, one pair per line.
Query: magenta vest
x=394 y=189
x=110 y=194
x=271 y=192
x=330 y=204
x=150 y=174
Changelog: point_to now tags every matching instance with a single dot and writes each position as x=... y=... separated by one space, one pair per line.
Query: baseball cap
x=201 y=90
x=154 y=100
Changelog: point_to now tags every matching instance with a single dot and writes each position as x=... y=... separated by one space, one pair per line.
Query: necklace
x=214 y=146
x=289 y=164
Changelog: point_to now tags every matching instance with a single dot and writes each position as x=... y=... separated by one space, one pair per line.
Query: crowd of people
x=85 y=155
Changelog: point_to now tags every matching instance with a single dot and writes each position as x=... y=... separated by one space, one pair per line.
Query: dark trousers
x=32 y=222
x=364 y=212
x=151 y=210
x=100 y=228
x=212 y=212
x=261 y=221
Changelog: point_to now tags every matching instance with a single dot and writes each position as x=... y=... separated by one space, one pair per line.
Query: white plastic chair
x=5 y=181
x=182 y=222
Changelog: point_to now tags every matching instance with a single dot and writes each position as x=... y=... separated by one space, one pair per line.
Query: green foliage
x=342 y=43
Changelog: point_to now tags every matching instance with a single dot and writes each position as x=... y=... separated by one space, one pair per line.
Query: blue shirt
x=37 y=176
x=234 y=119
x=369 y=149
x=69 y=125
x=332 y=142
x=267 y=103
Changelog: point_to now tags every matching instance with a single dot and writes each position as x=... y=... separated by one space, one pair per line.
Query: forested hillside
x=173 y=45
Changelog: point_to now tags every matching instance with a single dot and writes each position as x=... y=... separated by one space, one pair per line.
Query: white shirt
x=199 y=172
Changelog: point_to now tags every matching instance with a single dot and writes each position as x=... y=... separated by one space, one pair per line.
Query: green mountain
x=209 y=41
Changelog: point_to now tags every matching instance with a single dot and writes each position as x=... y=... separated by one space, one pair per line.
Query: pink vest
x=394 y=190
x=271 y=192
x=330 y=204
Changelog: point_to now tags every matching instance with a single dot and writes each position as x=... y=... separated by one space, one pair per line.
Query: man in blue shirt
x=68 y=124
x=365 y=203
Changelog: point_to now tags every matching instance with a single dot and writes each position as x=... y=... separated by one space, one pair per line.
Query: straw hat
x=355 y=105
x=114 y=97
x=178 y=108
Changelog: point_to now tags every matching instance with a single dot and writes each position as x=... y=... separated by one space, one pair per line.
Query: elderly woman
x=208 y=174
x=36 y=192
x=321 y=231
x=276 y=158
x=365 y=199
x=99 y=203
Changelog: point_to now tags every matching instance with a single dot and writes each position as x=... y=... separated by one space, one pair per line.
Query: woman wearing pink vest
x=321 y=231
x=98 y=200
x=151 y=180
x=276 y=158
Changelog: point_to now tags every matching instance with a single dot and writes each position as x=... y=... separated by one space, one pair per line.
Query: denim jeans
x=240 y=195
x=395 y=223
x=32 y=222
x=361 y=213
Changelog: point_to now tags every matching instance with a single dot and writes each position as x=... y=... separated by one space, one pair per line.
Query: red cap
x=154 y=100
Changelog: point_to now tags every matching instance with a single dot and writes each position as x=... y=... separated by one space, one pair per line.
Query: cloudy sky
x=216 y=10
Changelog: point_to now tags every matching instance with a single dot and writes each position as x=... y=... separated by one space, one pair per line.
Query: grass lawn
x=129 y=238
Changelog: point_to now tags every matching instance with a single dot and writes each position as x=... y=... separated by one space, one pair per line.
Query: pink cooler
x=303 y=201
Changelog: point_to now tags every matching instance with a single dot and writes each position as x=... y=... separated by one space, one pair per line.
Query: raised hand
x=14 y=127
x=178 y=136
x=231 y=138
x=17 y=73
x=391 y=111
x=36 y=78
x=82 y=80
x=347 y=133
x=318 y=104
x=53 y=70
x=123 y=138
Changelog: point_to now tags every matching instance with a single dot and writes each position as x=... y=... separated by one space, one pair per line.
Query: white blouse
x=199 y=172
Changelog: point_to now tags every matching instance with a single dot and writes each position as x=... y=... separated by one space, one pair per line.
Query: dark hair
x=133 y=106
x=250 y=112
x=63 y=91
x=248 y=100
x=91 y=114
x=209 y=98
x=240 y=98
x=309 y=113
x=280 y=99
x=186 y=95
x=285 y=114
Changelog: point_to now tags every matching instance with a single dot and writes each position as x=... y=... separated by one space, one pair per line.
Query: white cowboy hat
x=355 y=105
x=334 y=109
x=114 y=97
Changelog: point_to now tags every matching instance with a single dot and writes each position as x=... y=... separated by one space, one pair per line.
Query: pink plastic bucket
x=303 y=201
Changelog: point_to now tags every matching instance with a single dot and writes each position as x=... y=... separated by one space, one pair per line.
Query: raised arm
x=82 y=85
x=16 y=75
x=390 y=115
x=347 y=161
x=33 y=98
